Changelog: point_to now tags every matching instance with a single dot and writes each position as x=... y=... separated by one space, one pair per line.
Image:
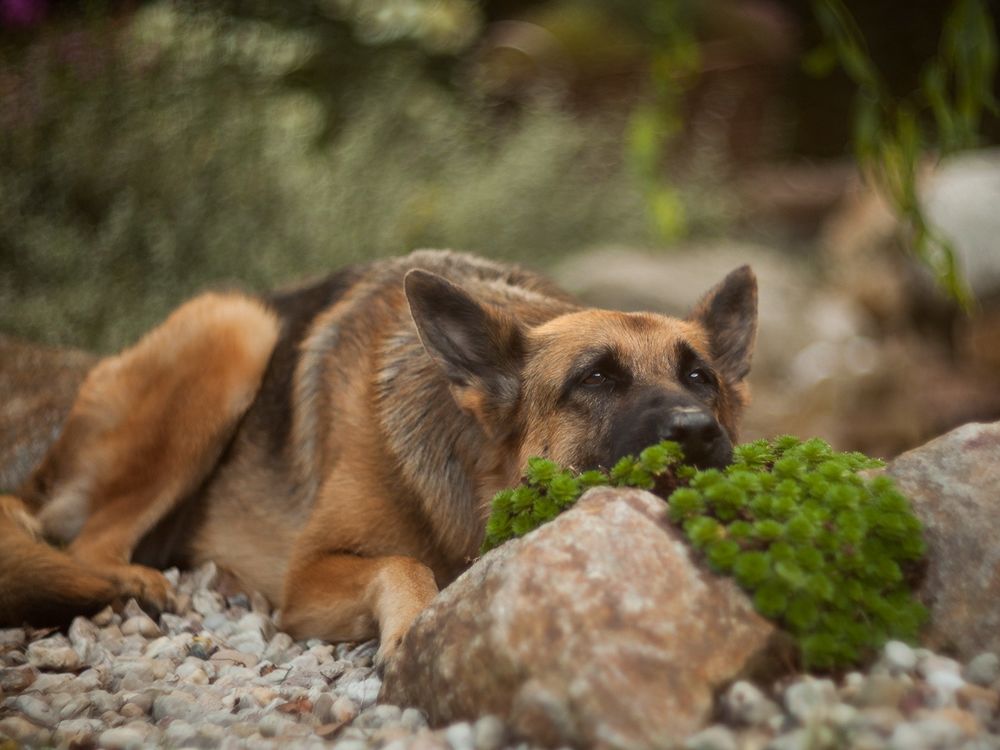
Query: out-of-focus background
x=636 y=150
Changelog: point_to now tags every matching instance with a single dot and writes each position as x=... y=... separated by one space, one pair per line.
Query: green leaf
x=541 y=471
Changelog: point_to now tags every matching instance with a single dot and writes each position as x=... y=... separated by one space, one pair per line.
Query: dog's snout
x=698 y=433
x=689 y=425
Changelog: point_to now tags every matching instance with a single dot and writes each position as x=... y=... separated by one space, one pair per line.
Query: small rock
x=207 y=603
x=981 y=702
x=20 y=729
x=228 y=657
x=715 y=737
x=141 y=624
x=132 y=711
x=279 y=648
x=460 y=736
x=880 y=690
x=929 y=734
x=83 y=637
x=744 y=703
x=797 y=739
x=365 y=692
x=78 y=731
x=179 y=733
x=809 y=696
x=351 y=744
x=344 y=709
x=899 y=657
x=210 y=735
x=36 y=709
x=174 y=624
x=273 y=725
x=192 y=672
x=53 y=653
x=12 y=638
x=72 y=707
x=202 y=647
x=249 y=642
x=176 y=705
x=322 y=707
x=489 y=733
x=16 y=679
x=121 y=738
x=983 y=670
x=105 y=617
x=944 y=686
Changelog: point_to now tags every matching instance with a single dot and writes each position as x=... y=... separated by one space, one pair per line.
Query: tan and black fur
x=336 y=446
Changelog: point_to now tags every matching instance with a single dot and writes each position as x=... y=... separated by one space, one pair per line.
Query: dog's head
x=588 y=386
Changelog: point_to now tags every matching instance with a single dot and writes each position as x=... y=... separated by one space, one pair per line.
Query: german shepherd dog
x=336 y=447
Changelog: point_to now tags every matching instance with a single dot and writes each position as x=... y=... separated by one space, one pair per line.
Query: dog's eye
x=595 y=379
x=698 y=376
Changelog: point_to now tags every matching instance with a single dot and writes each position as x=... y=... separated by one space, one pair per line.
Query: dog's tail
x=39 y=583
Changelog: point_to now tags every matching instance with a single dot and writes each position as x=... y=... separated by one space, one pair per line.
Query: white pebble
x=121 y=738
x=36 y=709
x=808 y=696
x=20 y=729
x=899 y=657
x=141 y=624
x=945 y=684
x=713 y=738
x=51 y=653
x=179 y=732
x=983 y=670
x=490 y=733
x=460 y=736
x=364 y=692
x=745 y=703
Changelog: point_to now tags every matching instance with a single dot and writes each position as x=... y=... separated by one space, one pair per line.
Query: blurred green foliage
x=142 y=162
x=892 y=135
x=150 y=151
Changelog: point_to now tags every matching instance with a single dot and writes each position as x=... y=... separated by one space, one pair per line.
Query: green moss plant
x=823 y=551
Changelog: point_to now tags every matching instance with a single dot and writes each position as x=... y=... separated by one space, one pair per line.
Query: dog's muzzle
x=699 y=435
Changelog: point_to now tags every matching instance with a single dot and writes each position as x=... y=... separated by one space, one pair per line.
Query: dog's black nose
x=695 y=430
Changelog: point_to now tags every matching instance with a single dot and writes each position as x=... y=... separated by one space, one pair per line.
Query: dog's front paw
x=147 y=586
x=388 y=647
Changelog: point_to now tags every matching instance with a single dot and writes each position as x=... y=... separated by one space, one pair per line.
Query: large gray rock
x=953 y=483
x=596 y=630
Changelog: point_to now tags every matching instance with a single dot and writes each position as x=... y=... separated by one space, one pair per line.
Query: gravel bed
x=219 y=674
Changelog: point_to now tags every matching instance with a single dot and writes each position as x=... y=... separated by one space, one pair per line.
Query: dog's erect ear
x=729 y=314
x=475 y=346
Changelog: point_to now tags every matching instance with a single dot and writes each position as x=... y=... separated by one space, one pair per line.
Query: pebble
x=713 y=738
x=35 y=709
x=20 y=729
x=121 y=738
x=53 y=653
x=141 y=624
x=489 y=732
x=745 y=703
x=809 y=696
x=983 y=670
x=899 y=657
x=460 y=736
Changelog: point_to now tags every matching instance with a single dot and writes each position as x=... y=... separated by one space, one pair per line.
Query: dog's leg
x=343 y=597
x=40 y=584
x=147 y=428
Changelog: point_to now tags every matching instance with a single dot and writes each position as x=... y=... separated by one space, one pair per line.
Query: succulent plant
x=822 y=550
